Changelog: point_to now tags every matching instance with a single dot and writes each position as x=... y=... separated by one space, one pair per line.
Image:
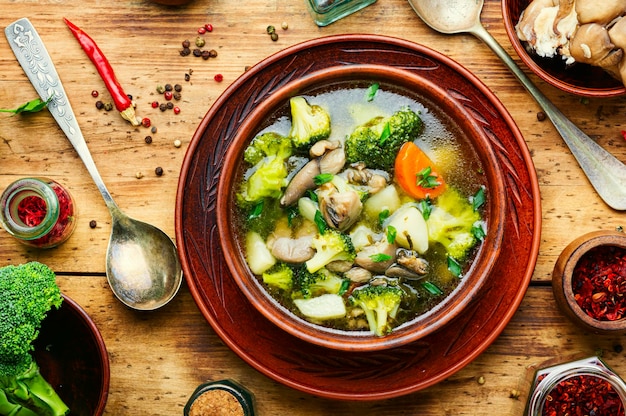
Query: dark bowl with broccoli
x=361 y=207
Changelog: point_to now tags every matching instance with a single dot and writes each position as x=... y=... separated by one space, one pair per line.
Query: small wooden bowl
x=562 y=280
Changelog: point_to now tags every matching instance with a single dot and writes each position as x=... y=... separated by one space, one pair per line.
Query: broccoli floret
x=267 y=144
x=309 y=124
x=377 y=142
x=330 y=246
x=380 y=304
x=318 y=283
x=27 y=293
x=451 y=222
x=279 y=276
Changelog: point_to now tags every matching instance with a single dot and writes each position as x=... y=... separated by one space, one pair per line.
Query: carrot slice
x=416 y=174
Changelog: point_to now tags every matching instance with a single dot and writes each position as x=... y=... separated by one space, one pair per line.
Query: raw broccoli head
x=330 y=246
x=309 y=124
x=451 y=224
x=380 y=304
x=27 y=293
x=376 y=143
x=318 y=283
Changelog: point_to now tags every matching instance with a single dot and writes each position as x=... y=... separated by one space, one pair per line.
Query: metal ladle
x=142 y=264
x=606 y=173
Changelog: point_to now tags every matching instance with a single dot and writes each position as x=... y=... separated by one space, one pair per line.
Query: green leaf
x=383 y=215
x=432 y=289
x=320 y=222
x=478 y=200
x=478 y=231
x=323 y=178
x=30 y=107
x=256 y=210
x=384 y=135
x=426 y=206
x=426 y=180
x=391 y=234
x=454 y=266
x=380 y=257
x=371 y=92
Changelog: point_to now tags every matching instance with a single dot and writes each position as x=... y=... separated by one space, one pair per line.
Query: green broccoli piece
x=309 y=124
x=330 y=246
x=318 y=283
x=27 y=293
x=268 y=153
x=380 y=304
x=279 y=276
x=376 y=143
x=267 y=144
x=451 y=223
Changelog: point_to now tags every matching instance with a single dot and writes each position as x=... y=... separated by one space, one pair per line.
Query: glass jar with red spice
x=582 y=387
x=38 y=212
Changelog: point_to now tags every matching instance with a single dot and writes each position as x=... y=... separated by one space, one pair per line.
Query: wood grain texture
x=158 y=358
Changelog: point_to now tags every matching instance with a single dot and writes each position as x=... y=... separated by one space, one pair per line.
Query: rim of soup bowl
x=418 y=327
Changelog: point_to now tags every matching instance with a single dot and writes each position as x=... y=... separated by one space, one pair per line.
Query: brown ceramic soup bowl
x=579 y=79
x=436 y=98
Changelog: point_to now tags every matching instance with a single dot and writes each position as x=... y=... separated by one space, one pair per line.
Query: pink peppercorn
x=208 y=27
x=202 y=30
x=176 y=110
x=155 y=104
x=94 y=94
x=219 y=77
x=145 y=122
x=168 y=95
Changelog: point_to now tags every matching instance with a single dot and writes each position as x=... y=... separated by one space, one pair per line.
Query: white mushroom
x=292 y=250
x=377 y=257
x=592 y=45
x=601 y=12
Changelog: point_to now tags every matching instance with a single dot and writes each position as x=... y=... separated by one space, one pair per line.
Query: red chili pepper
x=123 y=104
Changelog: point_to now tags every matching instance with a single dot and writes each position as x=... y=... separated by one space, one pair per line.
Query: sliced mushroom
x=358 y=174
x=592 y=45
x=300 y=183
x=333 y=161
x=339 y=266
x=526 y=26
x=396 y=270
x=321 y=147
x=358 y=275
x=366 y=258
x=601 y=12
x=566 y=10
x=292 y=250
x=340 y=209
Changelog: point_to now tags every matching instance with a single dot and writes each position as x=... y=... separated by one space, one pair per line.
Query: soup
x=368 y=224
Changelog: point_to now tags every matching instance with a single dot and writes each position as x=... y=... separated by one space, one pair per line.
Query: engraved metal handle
x=39 y=68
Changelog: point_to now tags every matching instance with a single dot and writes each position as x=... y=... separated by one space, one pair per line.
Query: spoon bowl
x=142 y=264
x=605 y=172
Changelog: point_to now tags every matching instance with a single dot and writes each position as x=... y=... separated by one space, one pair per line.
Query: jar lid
x=221 y=394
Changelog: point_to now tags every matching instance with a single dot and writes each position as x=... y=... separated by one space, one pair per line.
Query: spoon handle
x=605 y=172
x=39 y=68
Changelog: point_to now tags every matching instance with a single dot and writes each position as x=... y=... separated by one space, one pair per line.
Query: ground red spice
x=599 y=283
x=583 y=395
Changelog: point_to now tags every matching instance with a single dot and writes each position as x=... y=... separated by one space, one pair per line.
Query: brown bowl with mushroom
x=578 y=47
x=362 y=208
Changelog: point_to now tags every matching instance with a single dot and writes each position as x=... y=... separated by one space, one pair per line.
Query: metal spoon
x=142 y=264
x=606 y=173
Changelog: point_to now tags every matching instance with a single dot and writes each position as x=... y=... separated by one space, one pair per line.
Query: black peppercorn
x=158 y=171
x=99 y=105
x=169 y=105
x=197 y=52
x=187 y=77
x=168 y=87
x=206 y=55
x=93 y=224
x=541 y=116
x=186 y=43
x=185 y=52
x=177 y=96
x=178 y=87
x=162 y=106
x=148 y=139
x=213 y=53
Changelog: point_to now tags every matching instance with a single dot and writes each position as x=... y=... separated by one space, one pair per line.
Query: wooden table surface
x=158 y=358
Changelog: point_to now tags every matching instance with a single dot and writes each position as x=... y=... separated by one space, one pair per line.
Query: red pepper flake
x=208 y=27
x=176 y=110
x=146 y=122
x=32 y=210
x=122 y=102
x=583 y=395
x=202 y=30
x=219 y=77
x=599 y=283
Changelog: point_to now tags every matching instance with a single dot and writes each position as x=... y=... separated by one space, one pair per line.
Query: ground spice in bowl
x=220 y=398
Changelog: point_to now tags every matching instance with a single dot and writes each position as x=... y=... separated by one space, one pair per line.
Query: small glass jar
x=38 y=212
x=326 y=12
x=220 y=397
x=577 y=383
